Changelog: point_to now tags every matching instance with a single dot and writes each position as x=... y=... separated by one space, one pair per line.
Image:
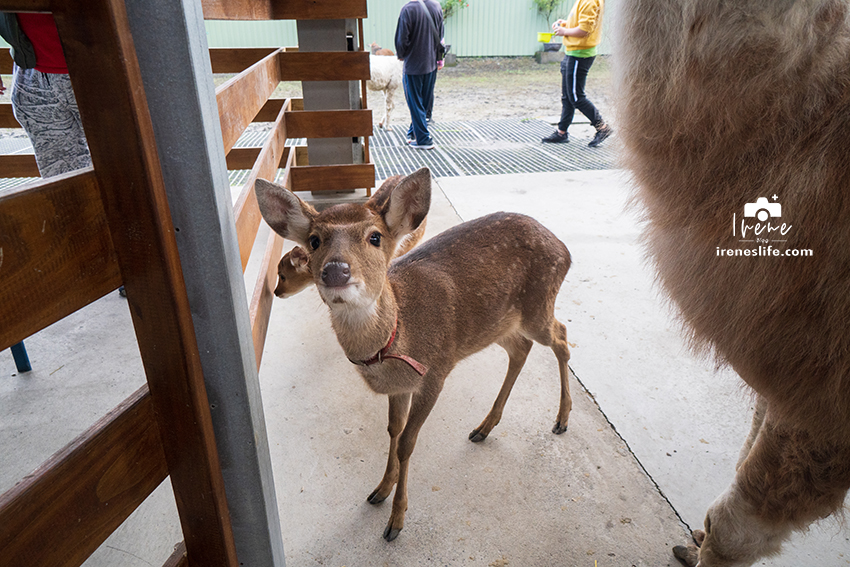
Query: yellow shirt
x=587 y=15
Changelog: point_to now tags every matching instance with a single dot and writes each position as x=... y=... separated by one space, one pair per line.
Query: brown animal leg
x=790 y=478
x=399 y=405
x=556 y=339
x=421 y=406
x=518 y=348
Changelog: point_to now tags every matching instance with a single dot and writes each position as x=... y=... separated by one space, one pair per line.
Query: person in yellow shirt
x=581 y=33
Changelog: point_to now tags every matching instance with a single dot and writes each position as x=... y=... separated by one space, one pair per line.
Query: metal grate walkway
x=483 y=147
x=489 y=147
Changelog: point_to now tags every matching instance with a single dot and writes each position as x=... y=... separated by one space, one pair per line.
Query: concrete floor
x=653 y=435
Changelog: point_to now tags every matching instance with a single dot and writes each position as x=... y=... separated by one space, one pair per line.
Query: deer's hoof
x=688 y=555
x=375 y=498
x=391 y=533
x=559 y=428
x=476 y=436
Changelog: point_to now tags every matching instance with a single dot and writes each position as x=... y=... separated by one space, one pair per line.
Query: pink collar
x=382 y=354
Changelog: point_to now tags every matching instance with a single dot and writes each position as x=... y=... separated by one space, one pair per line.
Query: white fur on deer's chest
x=391 y=377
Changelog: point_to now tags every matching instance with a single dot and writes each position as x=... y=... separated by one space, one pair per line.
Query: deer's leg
x=758 y=419
x=789 y=479
x=399 y=405
x=421 y=405
x=557 y=340
x=518 y=348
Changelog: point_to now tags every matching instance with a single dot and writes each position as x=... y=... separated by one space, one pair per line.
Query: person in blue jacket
x=417 y=38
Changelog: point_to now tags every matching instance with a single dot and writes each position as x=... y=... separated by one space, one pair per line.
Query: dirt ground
x=493 y=88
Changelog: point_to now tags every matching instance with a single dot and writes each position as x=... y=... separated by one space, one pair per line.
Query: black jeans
x=573 y=77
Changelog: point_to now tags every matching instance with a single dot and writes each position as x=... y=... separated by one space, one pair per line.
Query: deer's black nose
x=336 y=274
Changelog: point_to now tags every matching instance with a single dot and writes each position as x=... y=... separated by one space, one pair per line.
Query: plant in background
x=451 y=7
x=546 y=7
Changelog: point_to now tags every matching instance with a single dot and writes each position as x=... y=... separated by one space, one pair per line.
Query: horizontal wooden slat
x=67 y=507
x=179 y=558
x=7 y=118
x=242 y=97
x=329 y=123
x=261 y=299
x=5 y=61
x=237 y=59
x=283 y=10
x=246 y=209
x=325 y=66
x=245 y=158
x=56 y=253
x=332 y=177
x=27 y=5
x=272 y=106
x=18 y=165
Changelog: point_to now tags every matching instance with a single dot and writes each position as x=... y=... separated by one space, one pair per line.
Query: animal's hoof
x=476 y=436
x=375 y=498
x=559 y=428
x=391 y=533
x=688 y=555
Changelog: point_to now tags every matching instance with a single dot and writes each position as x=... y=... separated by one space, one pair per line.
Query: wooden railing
x=110 y=225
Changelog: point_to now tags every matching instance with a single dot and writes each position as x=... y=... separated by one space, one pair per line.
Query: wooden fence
x=70 y=240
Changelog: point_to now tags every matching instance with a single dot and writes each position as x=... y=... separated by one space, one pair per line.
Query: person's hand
x=440 y=65
x=560 y=32
x=556 y=25
x=2 y=88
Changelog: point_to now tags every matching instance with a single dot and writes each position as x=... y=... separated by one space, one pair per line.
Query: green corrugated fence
x=487 y=28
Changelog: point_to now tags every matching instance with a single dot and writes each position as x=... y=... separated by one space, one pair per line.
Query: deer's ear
x=298 y=258
x=409 y=202
x=288 y=215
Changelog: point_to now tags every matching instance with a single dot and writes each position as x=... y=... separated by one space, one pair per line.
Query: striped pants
x=573 y=78
x=44 y=104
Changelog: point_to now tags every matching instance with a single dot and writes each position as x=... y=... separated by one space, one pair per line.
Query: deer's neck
x=365 y=330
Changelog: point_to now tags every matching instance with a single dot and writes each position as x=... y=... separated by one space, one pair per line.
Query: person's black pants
x=573 y=77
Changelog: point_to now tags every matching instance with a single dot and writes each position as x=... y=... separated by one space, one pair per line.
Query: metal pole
x=171 y=45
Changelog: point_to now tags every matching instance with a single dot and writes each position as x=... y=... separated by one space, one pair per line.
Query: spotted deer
x=293 y=270
x=726 y=104
x=407 y=322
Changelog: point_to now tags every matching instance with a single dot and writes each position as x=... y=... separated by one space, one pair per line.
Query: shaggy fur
x=722 y=103
x=386 y=78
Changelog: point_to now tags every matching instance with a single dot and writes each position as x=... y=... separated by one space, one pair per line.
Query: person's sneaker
x=428 y=146
x=602 y=132
x=411 y=141
x=556 y=138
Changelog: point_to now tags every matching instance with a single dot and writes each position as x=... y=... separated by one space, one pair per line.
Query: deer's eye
x=375 y=239
x=314 y=242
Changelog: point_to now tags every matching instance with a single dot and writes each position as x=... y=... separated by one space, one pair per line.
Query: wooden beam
x=108 y=86
x=27 y=5
x=242 y=97
x=271 y=108
x=246 y=209
x=325 y=66
x=283 y=10
x=237 y=59
x=18 y=165
x=85 y=491
x=7 y=118
x=332 y=177
x=242 y=158
x=56 y=253
x=329 y=123
x=261 y=299
x=179 y=557
x=5 y=62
